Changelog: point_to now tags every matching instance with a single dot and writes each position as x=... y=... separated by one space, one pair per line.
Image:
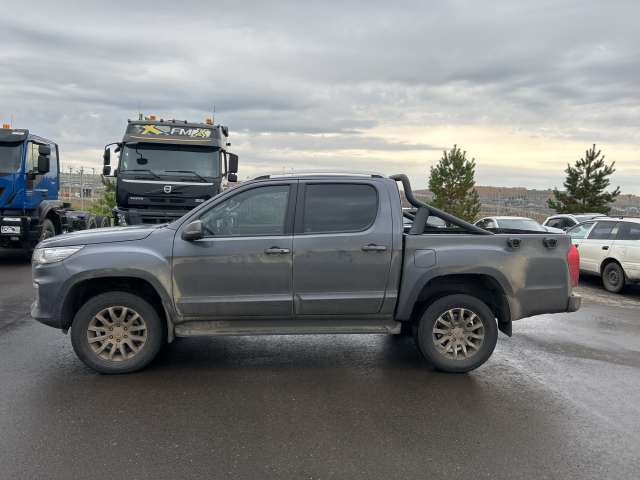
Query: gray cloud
x=318 y=76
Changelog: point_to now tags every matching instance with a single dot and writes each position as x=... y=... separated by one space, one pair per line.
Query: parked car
x=565 y=221
x=299 y=254
x=514 y=223
x=609 y=247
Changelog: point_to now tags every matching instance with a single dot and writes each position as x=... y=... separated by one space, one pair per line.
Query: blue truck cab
x=29 y=184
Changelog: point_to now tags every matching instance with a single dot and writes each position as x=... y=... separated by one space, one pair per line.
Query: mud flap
x=505 y=327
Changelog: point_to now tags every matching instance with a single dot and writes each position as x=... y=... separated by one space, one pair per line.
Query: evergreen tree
x=106 y=201
x=585 y=186
x=452 y=183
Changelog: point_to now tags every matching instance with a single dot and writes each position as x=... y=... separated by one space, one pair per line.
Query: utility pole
x=82 y=188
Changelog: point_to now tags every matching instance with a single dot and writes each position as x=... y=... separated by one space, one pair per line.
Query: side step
x=284 y=327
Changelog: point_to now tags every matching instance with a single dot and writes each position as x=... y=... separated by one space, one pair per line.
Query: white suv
x=609 y=247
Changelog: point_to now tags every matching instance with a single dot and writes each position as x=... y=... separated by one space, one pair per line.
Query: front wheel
x=47 y=229
x=457 y=333
x=613 y=277
x=116 y=332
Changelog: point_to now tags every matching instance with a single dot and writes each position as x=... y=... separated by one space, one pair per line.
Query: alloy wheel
x=458 y=333
x=117 y=333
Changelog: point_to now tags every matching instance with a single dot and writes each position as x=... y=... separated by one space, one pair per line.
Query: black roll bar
x=427 y=210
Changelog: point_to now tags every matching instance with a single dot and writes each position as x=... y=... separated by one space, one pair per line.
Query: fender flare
x=407 y=304
x=165 y=298
x=47 y=206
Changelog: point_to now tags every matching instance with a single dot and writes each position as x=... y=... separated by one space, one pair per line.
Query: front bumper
x=16 y=231
x=141 y=216
x=574 y=303
x=48 y=281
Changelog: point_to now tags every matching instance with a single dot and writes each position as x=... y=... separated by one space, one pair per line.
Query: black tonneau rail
x=425 y=210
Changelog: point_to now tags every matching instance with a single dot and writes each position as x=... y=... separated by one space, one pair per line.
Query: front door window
x=256 y=212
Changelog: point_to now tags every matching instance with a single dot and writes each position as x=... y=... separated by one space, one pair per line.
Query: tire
x=47 y=229
x=613 y=277
x=129 y=354
x=91 y=223
x=103 y=222
x=477 y=320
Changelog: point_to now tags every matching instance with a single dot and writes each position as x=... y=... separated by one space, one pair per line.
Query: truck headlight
x=43 y=256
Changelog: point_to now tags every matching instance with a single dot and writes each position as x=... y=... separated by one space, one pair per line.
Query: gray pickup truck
x=303 y=254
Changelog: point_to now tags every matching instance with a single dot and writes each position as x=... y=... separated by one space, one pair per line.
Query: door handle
x=514 y=243
x=374 y=248
x=276 y=251
x=605 y=247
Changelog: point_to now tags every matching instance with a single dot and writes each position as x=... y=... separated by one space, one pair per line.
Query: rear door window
x=604 y=231
x=629 y=231
x=339 y=207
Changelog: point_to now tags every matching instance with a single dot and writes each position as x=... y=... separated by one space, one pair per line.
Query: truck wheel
x=457 y=333
x=613 y=277
x=116 y=332
x=47 y=229
x=103 y=222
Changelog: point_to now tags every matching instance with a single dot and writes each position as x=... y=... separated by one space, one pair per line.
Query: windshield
x=520 y=224
x=153 y=159
x=10 y=157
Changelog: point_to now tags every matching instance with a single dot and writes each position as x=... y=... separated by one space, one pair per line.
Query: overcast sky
x=524 y=87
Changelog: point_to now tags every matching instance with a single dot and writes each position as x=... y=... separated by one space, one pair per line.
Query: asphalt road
x=559 y=400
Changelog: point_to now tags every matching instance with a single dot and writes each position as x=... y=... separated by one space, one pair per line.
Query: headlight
x=42 y=256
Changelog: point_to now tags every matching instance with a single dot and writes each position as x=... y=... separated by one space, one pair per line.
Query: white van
x=609 y=247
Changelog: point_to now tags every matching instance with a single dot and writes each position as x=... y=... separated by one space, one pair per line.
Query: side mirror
x=44 y=150
x=43 y=163
x=106 y=170
x=106 y=156
x=232 y=177
x=233 y=163
x=193 y=231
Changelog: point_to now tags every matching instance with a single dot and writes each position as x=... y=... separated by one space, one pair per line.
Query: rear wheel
x=457 y=333
x=103 y=222
x=613 y=277
x=116 y=332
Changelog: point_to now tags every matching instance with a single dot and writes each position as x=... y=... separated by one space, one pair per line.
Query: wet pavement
x=559 y=400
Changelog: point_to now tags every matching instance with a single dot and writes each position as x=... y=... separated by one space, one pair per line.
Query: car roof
x=574 y=215
x=320 y=174
x=616 y=219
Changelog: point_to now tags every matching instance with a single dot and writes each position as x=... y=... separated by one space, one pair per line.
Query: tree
x=585 y=186
x=453 y=185
x=106 y=201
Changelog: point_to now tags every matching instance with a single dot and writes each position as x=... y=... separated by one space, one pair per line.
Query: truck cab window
x=10 y=157
x=53 y=159
x=255 y=212
x=193 y=161
x=32 y=157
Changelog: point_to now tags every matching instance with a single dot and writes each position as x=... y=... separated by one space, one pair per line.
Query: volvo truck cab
x=168 y=167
